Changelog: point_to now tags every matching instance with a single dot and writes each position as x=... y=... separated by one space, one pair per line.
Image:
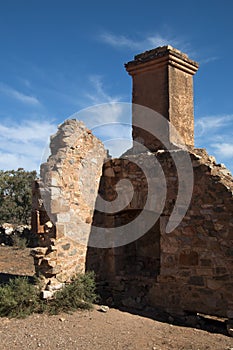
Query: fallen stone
x=230 y=329
x=46 y=294
x=55 y=287
x=103 y=308
x=9 y=228
x=39 y=251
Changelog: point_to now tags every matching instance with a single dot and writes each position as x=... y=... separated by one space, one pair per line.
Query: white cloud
x=104 y=109
x=98 y=94
x=19 y=96
x=209 y=124
x=215 y=133
x=26 y=131
x=109 y=122
x=11 y=161
x=108 y=118
x=22 y=145
x=148 y=42
x=25 y=143
x=158 y=40
x=224 y=149
x=119 y=41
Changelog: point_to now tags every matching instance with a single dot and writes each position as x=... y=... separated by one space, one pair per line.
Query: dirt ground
x=94 y=330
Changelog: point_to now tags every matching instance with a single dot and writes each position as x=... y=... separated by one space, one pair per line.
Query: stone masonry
x=163 y=81
x=187 y=270
x=64 y=202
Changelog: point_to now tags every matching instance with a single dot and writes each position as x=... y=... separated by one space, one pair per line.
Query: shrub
x=20 y=298
x=15 y=196
x=79 y=294
x=19 y=242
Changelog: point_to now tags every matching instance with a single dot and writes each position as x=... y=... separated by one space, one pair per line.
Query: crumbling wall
x=197 y=257
x=194 y=266
x=64 y=201
x=188 y=269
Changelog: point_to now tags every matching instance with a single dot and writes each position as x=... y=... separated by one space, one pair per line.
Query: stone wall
x=189 y=269
x=63 y=202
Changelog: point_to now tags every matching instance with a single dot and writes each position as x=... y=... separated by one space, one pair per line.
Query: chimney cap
x=162 y=54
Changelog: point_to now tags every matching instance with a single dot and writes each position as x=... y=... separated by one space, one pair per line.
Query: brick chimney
x=163 y=81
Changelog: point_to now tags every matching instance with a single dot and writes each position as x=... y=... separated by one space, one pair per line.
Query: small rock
x=46 y=294
x=55 y=286
x=48 y=226
x=103 y=308
x=9 y=228
x=39 y=251
x=230 y=329
x=62 y=319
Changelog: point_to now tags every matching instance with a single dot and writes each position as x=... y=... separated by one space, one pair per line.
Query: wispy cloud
x=98 y=94
x=19 y=96
x=109 y=119
x=27 y=131
x=145 y=43
x=25 y=82
x=22 y=145
x=224 y=149
x=216 y=133
x=149 y=41
x=208 y=59
x=210 y=124
x=105 y=108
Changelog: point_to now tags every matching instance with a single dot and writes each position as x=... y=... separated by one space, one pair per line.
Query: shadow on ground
x=207 y=323
x=6 y=277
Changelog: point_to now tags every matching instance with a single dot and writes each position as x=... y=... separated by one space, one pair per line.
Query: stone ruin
x=64 y=203
x=190 y=268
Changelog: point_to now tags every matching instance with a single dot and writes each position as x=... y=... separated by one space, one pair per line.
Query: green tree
x=15 y=195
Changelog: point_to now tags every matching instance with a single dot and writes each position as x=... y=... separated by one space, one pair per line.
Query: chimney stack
x=163 y=81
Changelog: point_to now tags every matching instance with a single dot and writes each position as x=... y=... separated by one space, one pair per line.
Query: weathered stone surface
x=162 y=81
x=194 y=266
x=189 y=258
x=64 y=200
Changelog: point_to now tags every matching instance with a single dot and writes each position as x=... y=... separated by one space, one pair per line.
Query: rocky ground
x=94 y=330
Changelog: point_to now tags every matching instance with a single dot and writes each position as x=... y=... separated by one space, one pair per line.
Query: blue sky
x=58 y=57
